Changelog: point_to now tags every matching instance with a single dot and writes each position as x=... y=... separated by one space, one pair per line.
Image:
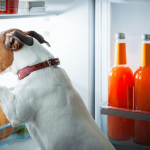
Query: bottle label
x=120 y=54
x=2 y=5
x=130 y=97
x=145 y=52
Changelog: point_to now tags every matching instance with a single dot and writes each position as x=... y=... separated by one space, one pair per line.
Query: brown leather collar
x=27 y=70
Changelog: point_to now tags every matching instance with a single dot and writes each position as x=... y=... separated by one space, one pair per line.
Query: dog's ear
x=23 y=38
x=37 y=36
x=15 y=40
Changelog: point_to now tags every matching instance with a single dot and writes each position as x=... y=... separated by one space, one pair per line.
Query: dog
x=45 y=100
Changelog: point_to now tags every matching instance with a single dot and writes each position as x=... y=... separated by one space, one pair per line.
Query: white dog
x=45 y=100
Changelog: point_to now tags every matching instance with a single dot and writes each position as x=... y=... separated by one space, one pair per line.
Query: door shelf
x=125 y=113
x=19 y=132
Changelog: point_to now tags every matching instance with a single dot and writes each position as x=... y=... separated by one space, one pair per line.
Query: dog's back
x=62 y=121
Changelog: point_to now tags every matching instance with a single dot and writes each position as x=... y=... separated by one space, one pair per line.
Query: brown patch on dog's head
x=10 y=42
x=6 y=56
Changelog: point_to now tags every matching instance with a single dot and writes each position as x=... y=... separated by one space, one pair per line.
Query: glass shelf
x=41 y=8
x=27 y=9
x=106 y=111
x=19 y=132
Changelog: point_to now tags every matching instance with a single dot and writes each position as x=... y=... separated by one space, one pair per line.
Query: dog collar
x=27 y=70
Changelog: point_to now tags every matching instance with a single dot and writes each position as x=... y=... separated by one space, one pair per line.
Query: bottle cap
x=145 y=37
x=119 y=36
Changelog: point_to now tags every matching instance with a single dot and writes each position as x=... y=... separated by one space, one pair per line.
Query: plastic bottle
x=9 y=6
x=120 y=93
x=142 y=92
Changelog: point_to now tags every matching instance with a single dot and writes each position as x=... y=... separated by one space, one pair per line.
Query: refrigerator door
x=117 y=16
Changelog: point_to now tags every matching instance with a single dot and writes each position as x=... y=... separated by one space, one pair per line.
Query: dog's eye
x=11 y=41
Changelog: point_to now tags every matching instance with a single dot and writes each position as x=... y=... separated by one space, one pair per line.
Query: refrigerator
x=82 y=35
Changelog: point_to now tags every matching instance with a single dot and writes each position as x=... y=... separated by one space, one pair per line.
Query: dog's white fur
x=54 y=113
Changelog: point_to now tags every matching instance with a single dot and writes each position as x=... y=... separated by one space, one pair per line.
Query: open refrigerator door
x=111 y=17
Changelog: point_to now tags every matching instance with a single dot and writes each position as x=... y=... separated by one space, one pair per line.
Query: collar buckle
x=49 y=62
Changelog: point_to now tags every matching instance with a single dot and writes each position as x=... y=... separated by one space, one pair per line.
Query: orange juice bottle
x=120 y=93
x=142 y=92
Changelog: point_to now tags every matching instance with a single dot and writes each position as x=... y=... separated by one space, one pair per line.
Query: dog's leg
x=16 y=110
x=35 y=136
x=18 y=113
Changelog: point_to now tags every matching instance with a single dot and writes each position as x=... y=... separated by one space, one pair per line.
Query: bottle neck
x=120 y=52
x=145 y=54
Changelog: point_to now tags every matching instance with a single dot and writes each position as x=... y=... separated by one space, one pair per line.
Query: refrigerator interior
x=71 y=36
x=114 y=16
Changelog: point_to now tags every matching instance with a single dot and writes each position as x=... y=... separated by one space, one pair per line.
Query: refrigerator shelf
x=41 y=8
x=125 y=113
x=27 y=9
x=19 y=132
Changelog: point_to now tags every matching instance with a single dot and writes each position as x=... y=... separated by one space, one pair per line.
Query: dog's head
x=13 y=40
